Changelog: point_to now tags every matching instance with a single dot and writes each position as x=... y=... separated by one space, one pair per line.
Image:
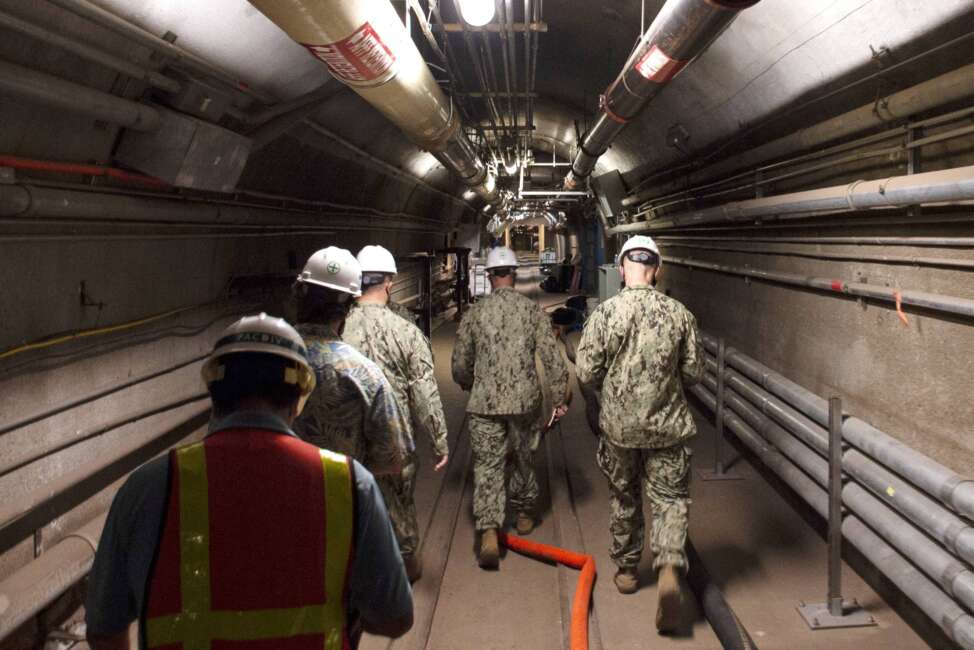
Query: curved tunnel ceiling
x=772 y=57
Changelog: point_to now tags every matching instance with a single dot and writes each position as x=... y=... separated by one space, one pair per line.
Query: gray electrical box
x=610 y=281
x=187 y=152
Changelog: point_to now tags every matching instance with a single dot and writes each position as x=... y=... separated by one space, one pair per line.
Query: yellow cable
x=83 y=334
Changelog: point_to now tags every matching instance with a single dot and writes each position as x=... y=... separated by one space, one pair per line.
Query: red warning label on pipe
x=657 y=66
x=360 y=57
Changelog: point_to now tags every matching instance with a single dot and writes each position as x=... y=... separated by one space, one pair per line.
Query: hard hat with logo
x=376 y=259
x=263 y=334
x=500 y=257
x=640 y=242
x=333 y=268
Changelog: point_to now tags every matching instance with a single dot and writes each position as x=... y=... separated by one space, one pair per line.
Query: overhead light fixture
x=477 y=13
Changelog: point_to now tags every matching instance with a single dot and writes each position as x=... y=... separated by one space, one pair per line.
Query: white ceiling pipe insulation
x=365 y=46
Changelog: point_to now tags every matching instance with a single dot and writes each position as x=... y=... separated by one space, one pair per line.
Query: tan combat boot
x=414 y=566
x=525 y=524
x=669 y=612
x=626 y=580
x=490 y=553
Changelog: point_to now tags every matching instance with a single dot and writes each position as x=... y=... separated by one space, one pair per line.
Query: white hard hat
x=500 y=257
x=376 y=259
x=333 y=268
x=268 y=335
x=640 y=242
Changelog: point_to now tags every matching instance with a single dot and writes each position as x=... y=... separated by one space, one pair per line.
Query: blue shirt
x=378 y=589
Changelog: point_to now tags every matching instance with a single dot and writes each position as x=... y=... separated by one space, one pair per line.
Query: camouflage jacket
x=403 y=312
x=640 y=348
x=403 y=354
x=353 y=408
x=494 y=355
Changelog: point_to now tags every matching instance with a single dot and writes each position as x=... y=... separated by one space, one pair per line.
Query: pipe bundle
x=908 y=515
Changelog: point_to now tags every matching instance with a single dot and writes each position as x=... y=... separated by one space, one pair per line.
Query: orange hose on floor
x=583 y=591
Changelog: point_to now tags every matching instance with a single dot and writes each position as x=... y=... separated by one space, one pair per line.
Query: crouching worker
x=641 y=348
x=252 y=535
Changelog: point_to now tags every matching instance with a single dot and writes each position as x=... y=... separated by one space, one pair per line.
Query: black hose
x=718 y=613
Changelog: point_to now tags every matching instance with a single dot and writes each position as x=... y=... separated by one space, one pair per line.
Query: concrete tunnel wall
x=912 y=381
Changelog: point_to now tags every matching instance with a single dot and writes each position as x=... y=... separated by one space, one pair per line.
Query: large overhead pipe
x=946 y=185
x=365 y=46
x=48 y=90
x=682 y=31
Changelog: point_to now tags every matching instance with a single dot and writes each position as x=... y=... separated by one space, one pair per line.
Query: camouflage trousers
x=503 y=466
x=398 y=491
x=665 y=473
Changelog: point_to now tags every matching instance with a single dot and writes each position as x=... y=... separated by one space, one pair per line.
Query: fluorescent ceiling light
x=477 y=13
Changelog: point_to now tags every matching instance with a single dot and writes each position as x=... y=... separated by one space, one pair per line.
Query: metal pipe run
x=759 y=180
x=785 y=427
x=681 y=32
x=48 y=90
x=30 y=589
x=930 y=94
x=883 y=511
x=923 y=299
x=953 y=490
x=942 y=262
x=923 y=592
x=173 y=53
x=944 y=186
x=366 y=47
x=89 y=53
x=945 y=242
x=42 y=202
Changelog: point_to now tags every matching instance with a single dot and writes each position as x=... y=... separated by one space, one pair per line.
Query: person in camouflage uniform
x=403 y=354
x=403 y=312
x=641 y=348
x=494 y=359
x=353 y=410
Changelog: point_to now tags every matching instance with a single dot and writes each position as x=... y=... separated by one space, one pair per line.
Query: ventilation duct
x=682 y=31
x=365 y=45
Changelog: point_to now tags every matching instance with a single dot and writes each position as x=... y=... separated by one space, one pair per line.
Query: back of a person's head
x=249 y=376
x=320 y=305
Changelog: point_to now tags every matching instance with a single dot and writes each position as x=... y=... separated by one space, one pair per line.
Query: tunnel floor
x=758 y=549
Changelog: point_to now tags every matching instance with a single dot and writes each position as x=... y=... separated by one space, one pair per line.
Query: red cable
x=583 y=590
x=77 y=168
